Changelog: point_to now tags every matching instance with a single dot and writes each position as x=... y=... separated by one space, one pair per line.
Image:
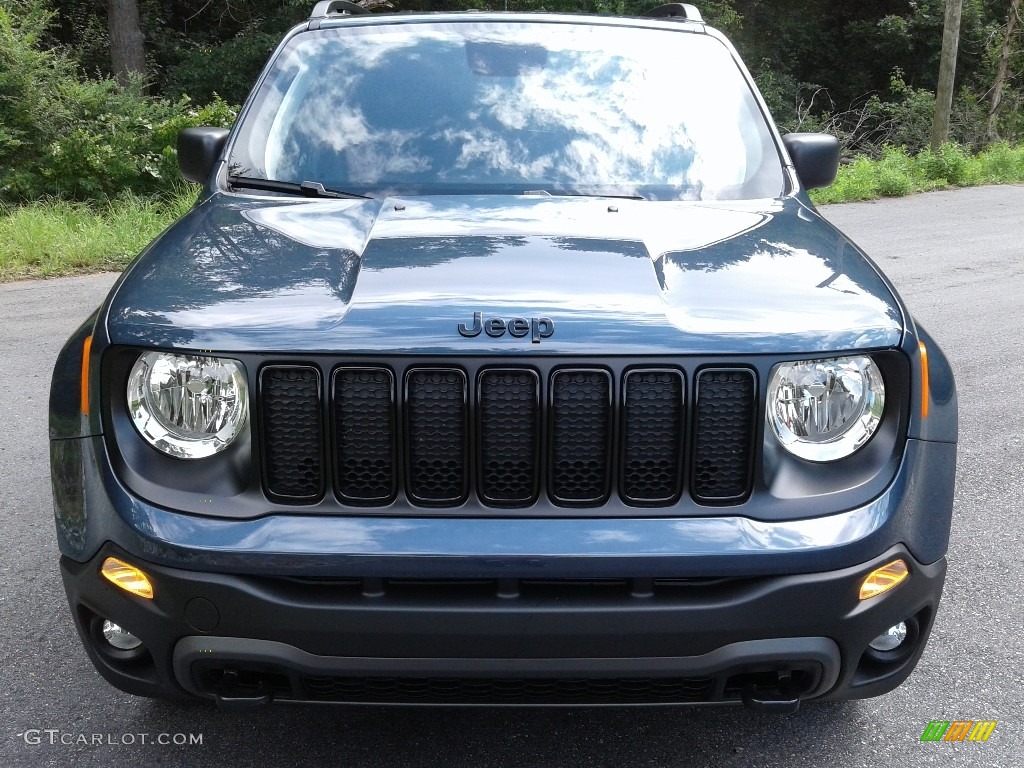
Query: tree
x=947 y=72
x=127 y=54
x=991 y=133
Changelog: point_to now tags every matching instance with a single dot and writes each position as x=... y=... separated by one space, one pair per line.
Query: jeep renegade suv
x=503 y=359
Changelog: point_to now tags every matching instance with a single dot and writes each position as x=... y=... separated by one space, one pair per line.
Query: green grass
x=897 y=174
x=54 y=237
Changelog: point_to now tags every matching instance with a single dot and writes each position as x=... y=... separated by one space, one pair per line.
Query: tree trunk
x=947 y=71
x=991 y=134
x=127 y=55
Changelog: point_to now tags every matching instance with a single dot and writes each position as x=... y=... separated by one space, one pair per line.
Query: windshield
x=504 y=107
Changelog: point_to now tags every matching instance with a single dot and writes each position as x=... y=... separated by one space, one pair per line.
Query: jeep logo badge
x=536 y=327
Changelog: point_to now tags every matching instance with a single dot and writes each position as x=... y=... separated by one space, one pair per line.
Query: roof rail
x=681 y=11
x=326 y=7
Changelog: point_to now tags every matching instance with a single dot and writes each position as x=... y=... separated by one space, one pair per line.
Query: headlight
x=824 y=410
x=187 y=406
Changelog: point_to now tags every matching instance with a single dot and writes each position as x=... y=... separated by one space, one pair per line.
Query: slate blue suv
x=503 y=359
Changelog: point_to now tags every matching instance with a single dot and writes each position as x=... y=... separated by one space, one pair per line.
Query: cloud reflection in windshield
x=603 y=108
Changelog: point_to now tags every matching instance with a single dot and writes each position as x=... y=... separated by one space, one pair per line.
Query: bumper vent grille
x=510 y=435
x=435 y=690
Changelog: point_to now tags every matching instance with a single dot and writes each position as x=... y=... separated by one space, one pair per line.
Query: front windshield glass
x=505 y=107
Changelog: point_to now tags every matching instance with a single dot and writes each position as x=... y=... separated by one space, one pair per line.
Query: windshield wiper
x=306 y=188
x=545 y=193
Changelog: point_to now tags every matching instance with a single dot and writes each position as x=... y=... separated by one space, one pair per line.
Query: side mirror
x=815 y=157
x=198 y=150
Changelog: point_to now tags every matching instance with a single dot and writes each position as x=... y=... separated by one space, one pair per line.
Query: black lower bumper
x=767 y=641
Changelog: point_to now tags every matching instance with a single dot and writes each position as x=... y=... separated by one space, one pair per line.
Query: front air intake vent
x=291 y=412
x=435 y=416
x=652 y=437
x=364 y=430
x=581 y=410
x=723 y=436
x=509 y=438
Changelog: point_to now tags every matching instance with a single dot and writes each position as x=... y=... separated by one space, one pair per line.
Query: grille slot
x=580 y=435
x=364 y=428
x=509 y=436
x=436 y=435
x=652 y=437
x=292 y=431
x=723 y=439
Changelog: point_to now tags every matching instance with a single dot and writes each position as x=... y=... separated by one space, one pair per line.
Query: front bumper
x=491 y=610
x=768 y=641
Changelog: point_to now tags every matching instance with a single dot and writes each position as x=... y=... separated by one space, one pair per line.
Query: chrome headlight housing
x=825 y=410
x=187 y=406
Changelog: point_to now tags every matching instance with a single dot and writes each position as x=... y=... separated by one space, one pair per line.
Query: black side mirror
x=198 y=150
x=815 y=157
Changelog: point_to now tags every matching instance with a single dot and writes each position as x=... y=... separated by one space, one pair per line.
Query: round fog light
x=118 y=637
x=891 y=639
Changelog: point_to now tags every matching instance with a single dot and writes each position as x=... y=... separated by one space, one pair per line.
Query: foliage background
x=865 y=71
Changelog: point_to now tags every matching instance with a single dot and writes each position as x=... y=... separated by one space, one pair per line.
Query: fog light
x=891 y=639
x=119 y=637
x=127 y=577
x=883 y=579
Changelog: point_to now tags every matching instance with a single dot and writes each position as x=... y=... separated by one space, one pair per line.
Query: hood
x=400 y=276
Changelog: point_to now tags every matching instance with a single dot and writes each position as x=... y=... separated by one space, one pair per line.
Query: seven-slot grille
x=509 y=435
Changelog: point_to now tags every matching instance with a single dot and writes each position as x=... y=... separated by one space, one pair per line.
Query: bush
x=229 y=69
x=893 y=173
x=855 y=181
x=949 y=166
x=1001 y=163
x=81 y=139
x=183 y=114
x=898 y=174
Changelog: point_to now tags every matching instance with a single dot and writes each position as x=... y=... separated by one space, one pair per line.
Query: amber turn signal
x=127 y=577
x=883 y=579
x=925 y=385
x=84 y=383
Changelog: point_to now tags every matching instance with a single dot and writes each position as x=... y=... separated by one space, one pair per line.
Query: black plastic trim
x=538 y=431
x=819 y=656
x=257 y=415
x=407 y=439
x=610 y=441
x=364 y=501
x=684 y=430
x=751 y=443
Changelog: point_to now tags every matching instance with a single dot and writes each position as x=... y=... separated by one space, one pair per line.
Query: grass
x=49 y=238
x=897 y=174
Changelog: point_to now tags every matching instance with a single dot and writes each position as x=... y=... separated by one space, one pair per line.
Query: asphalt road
x=958 y=259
